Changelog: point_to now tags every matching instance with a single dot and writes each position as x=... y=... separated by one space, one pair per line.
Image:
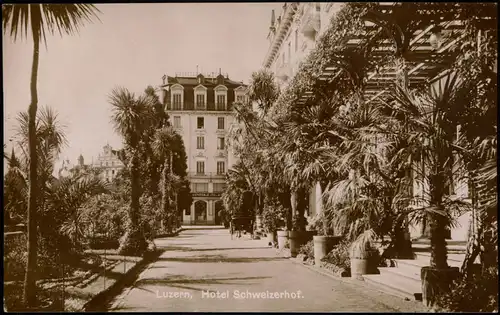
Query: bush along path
x=131 y=270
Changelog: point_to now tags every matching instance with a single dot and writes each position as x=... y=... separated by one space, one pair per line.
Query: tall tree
x=131 y=118
x=39 y=19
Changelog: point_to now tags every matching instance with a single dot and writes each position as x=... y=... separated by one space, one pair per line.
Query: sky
x=132 y=46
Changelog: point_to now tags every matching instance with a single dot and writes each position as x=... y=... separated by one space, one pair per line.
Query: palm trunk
x=29 y=294
x=438 y=223
x=301 y=207
x=135 y=243
x=135 y=189
x=164 y=194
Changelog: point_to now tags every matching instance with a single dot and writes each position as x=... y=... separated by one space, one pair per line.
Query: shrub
x=273 y=216
x=15 y=257
x=478 y=293
x=339 y=256
x=316 y=224
x=103 y=242
x=307 y=250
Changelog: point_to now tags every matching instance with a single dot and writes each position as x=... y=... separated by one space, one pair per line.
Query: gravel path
x=204 y=270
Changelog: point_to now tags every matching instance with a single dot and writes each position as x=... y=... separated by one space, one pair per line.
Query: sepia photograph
x=250 y=157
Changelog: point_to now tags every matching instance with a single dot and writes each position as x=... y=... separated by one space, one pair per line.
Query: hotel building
x=200 y=110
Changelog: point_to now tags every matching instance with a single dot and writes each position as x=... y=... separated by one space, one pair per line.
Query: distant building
x=109 y=163
x=200 y=109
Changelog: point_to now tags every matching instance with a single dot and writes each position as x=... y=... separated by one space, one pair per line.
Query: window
x=200 y=167
x=200 y=123
x=177 y=121
x=176 y=101
x=221 y=102
x=296 y=39
x=113 y=172
x=220 y=123
x=200 y=187
x=220 y=143
x=240 y=98
x=219 y=187
x=200 y=101
x=200 y=143
x=220 y=167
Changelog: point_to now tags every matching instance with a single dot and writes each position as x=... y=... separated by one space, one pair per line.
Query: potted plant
x=364 y=256
x=298 y=236
x=272 y=218
x=325 y=241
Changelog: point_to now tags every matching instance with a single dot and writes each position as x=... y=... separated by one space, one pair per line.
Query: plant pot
x=323 y=245
x=271 y=238
x=282 y=237
x=296 y=239
x=436 y=282
x=359 y=267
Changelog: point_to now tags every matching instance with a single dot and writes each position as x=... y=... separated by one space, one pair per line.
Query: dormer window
x=240 y=94
x=220 y=79
x=177 y=96
x=200 y=97
x=220 y=97
x=201 y=79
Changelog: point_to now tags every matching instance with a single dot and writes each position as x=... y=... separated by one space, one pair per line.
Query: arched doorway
x=200 y=212
x=218 y=207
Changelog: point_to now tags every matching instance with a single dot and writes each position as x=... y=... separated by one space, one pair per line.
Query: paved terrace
x=199 y=261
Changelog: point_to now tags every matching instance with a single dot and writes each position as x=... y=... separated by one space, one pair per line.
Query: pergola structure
x=422 y=35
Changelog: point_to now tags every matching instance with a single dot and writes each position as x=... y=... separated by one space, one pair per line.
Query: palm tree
x=431 y=136
x=67 y=197
x=163 y=149
x=131 y=117
x=39 y=19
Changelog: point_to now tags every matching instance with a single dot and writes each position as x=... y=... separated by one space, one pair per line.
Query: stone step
x=421 y=262
x=410 y=274
x=452 y=258
x=448 y=242
x=396 y=285
x=455 y=248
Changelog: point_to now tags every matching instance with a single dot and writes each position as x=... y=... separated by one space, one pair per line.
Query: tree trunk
x=288 y=206
x=301 y=208
x=164 y=196
x=135 y=242
x=438 y=224
x=135 y=189
x=29 y=294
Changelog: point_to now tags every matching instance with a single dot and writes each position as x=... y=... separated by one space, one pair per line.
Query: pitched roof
x=209 y=82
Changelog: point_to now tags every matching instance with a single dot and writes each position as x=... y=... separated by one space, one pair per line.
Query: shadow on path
x=221 y=259
x=191 y=249
x=181 y=280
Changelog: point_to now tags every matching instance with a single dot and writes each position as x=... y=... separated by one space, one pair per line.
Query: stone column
x=318 y=197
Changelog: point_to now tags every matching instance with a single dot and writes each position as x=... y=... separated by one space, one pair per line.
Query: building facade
x=109 y=163
x=200 y=110
x=293 y=34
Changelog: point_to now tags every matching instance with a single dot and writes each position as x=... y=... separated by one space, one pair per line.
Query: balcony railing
x=205 y=107
x=207 y=174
